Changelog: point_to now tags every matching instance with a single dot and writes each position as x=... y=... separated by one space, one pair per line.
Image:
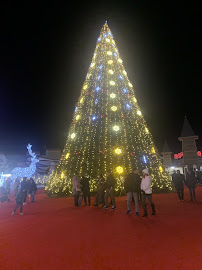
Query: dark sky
x=45 y=52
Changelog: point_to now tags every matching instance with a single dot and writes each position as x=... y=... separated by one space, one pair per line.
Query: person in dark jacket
x=132 y=187
x=16 y=186
x=32 y=189
x=191 y=183
x=100 y=195
x=85 y=189
x=19 y=201
x=178 y=181
x=110 y=184
x=24 y=187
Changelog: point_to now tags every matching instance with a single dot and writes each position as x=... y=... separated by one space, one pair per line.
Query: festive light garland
x=19 y=172
x=108 y=131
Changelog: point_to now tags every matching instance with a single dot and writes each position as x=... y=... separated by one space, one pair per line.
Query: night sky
x=45 y=53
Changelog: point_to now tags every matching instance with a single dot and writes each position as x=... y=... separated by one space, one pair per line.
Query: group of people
x=134 y=184
x=21 y=190
x=179 y=181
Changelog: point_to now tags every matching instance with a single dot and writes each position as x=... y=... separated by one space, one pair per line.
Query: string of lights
x=108 y=131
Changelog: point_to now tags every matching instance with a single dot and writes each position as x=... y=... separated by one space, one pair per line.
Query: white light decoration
x=92 y=65
x=139 y=112
x=128 y=106
x=85 y=87
x=116 y=128
x=81 y=100
x=114 y=108
x=93 y=117
x=124 y=72
x=112 y=83
x=111 y=71
x=28 y=171
x=109 y=53
x=107 y=39
x=112 y=95
x=144 y=159
x=119 y=60
x=1 y=180
x=110 y=62
x=135 y=100
x=118 y=151
x=73 y=135
x=77 y=117
x=130 y=84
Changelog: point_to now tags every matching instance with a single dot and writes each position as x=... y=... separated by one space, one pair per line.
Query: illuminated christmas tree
x=108 y=131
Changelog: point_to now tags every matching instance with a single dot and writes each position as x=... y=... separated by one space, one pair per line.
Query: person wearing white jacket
x=146 y=191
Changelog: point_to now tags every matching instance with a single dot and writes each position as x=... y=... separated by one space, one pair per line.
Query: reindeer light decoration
x=28 y=171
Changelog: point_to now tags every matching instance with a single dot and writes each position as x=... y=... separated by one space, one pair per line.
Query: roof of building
x=166 y=148
x=186 y=129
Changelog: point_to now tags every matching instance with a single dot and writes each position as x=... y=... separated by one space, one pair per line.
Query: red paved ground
x=55 y=235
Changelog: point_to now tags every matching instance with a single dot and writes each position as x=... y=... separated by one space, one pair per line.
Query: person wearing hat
x=146 y=191
x=132 y=187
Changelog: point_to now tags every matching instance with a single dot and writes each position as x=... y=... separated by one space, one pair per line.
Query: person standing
x=32 y=189
x=191 y=183
x=132 y=187
x=146 y=191
x=19 y=201
x=99 y=197
x=76 y=189
x=110 y=184
x=85 y=189
x=16 y=186
x=3 y=195
x=24 y=187
x=178 y=181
